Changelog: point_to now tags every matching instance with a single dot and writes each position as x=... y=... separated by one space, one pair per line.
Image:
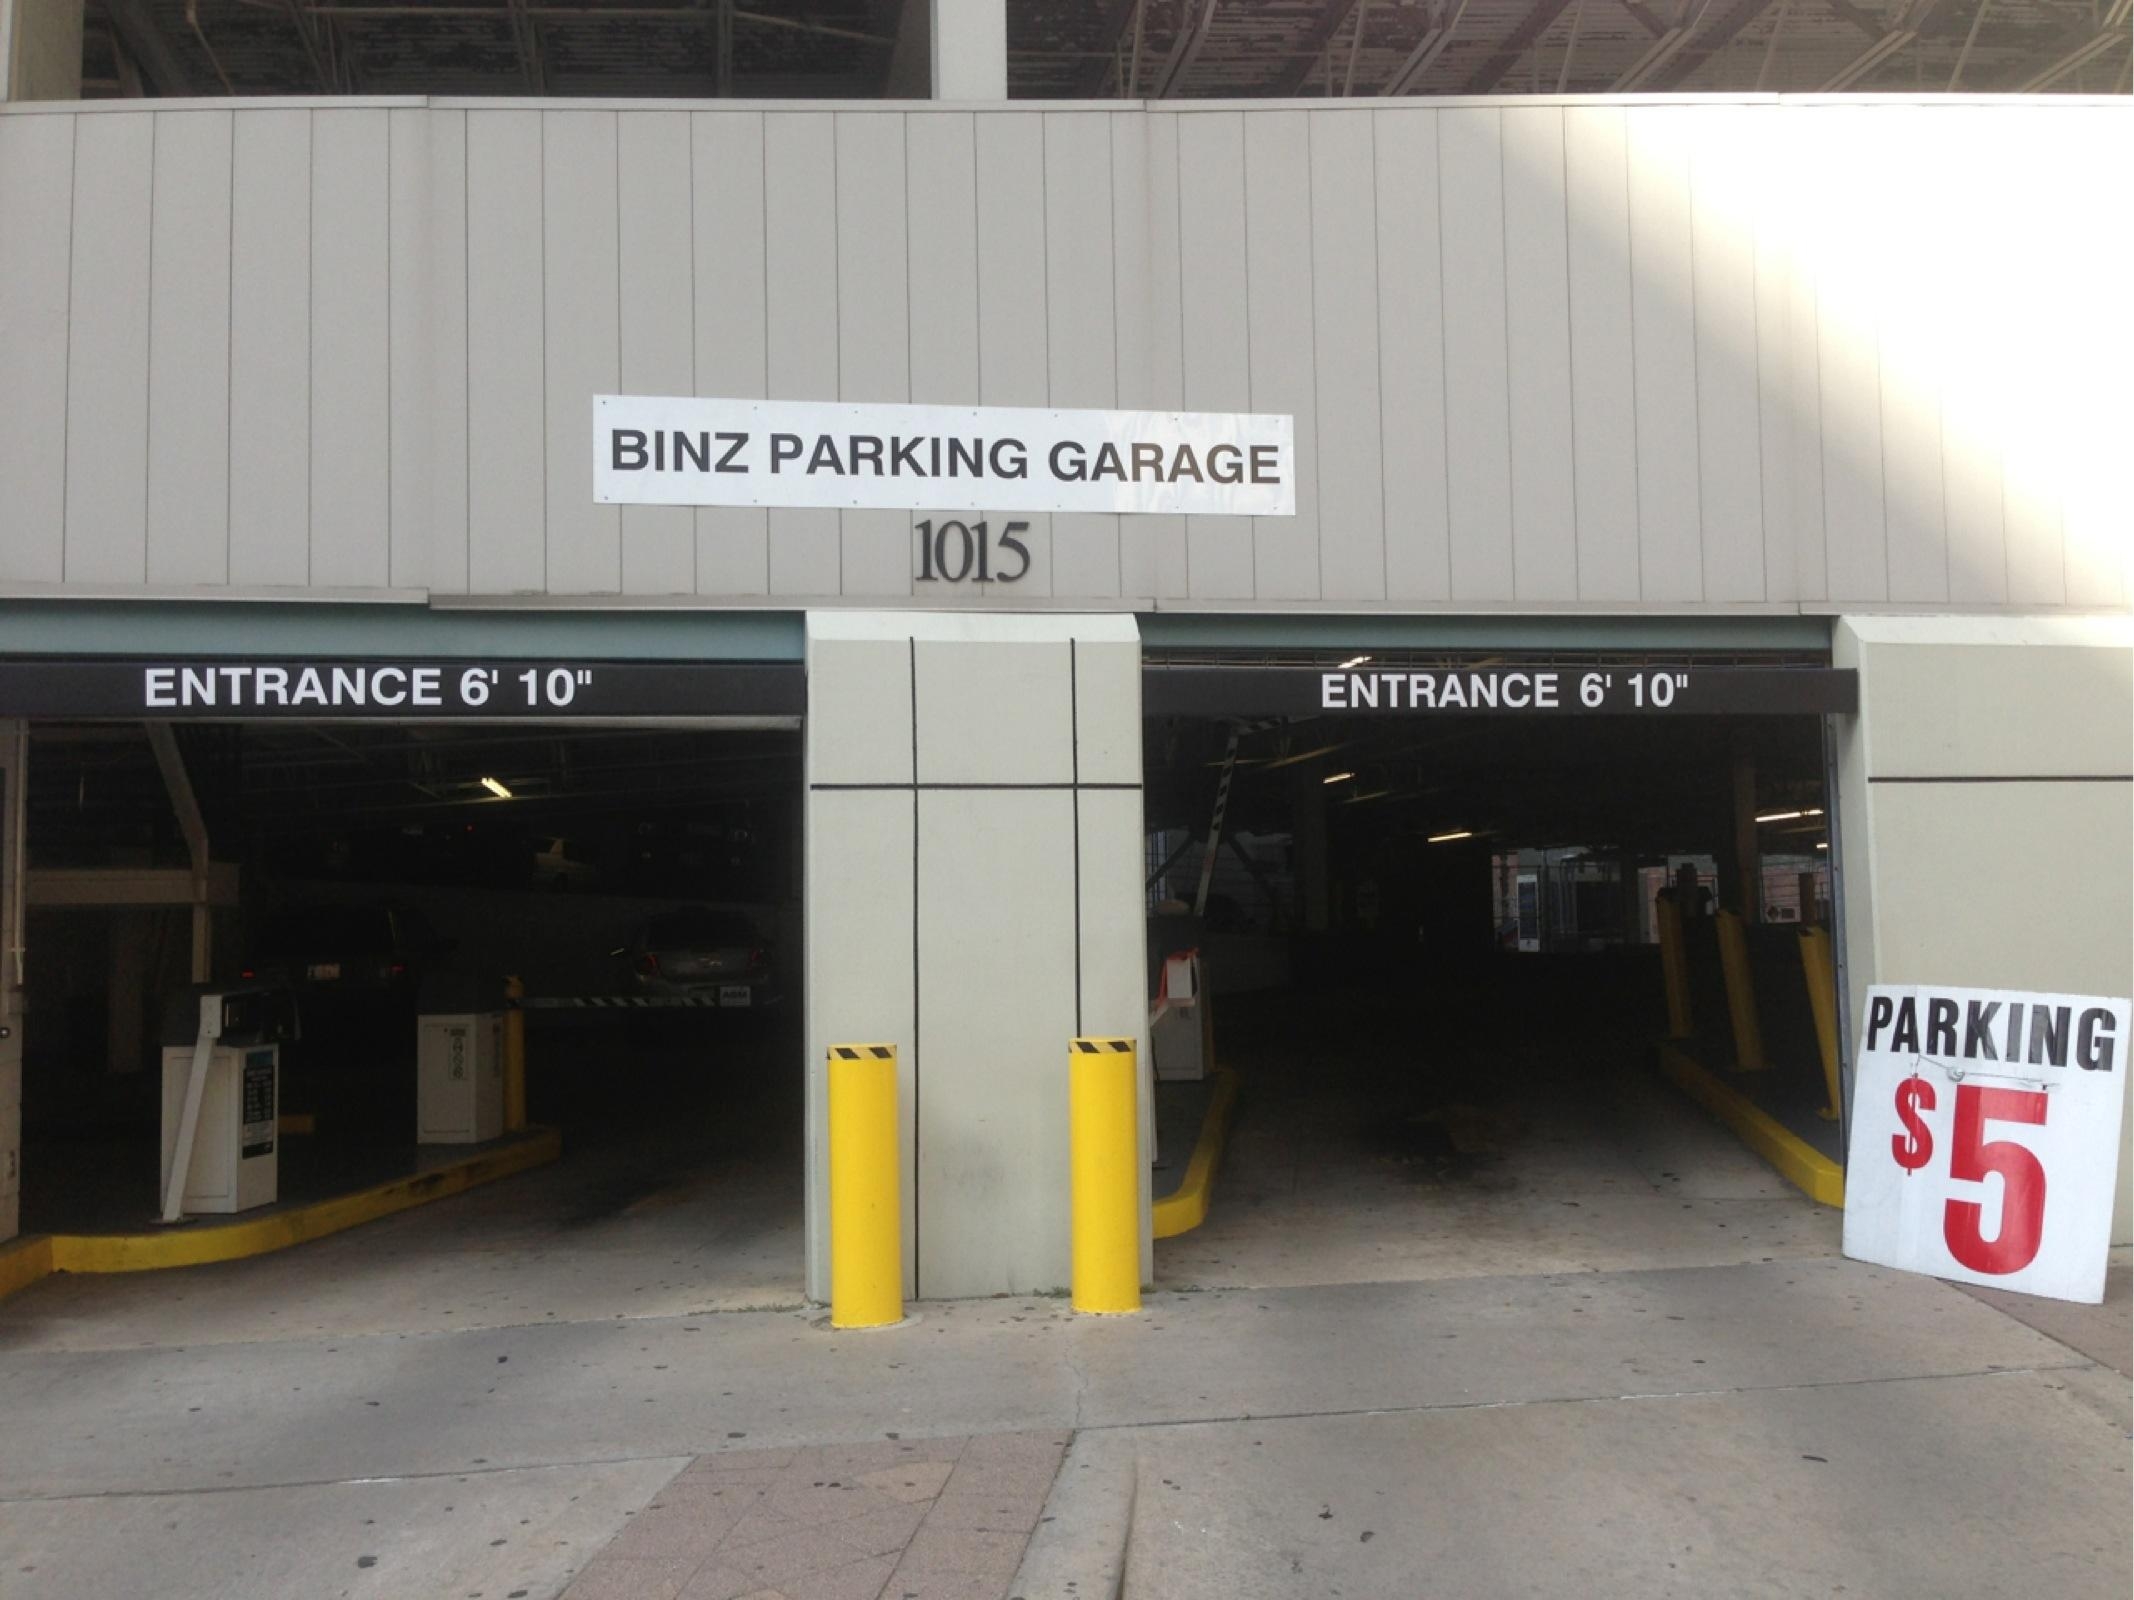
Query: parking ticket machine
x=221 y=1097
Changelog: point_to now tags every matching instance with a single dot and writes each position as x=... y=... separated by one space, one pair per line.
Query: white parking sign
x=1985 y=1136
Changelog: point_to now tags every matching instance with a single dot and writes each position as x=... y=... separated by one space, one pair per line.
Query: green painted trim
x=1508 y=631
x=275 y=628
x=56 y=627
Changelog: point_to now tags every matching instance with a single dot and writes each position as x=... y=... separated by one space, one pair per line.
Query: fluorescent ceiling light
x=1821 y=846
x=1339 y=777
x=1301 y=756
x=1353 y=661
x=496 y=788
x=1447 y=838
x=1781 y=816
x=1813 y=811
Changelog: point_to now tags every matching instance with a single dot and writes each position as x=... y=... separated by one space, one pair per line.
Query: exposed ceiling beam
x=1715 y=39
x=1111 y=28
x=1904 y=29
x=1427 y=49
x=1657 y=55
x=1363 y=18
x=1963 y=56
x=1645 y=17
x=2080 y=48
x=1860 y=17
x=136 y=27
x=1316 y=38
x=1523 y=38
x=1640 y=73
x=316 y=38
x=526 y=37
x=1866 y=61
x=1570 y=48
x=1185 y=51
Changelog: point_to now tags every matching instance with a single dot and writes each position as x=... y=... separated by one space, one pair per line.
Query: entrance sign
x=676 y=451
x=246 y=688
x=1611 y=689
x=1985 y=1136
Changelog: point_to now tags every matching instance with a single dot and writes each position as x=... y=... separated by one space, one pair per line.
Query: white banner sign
x=1985 y=1136
x=672 y=451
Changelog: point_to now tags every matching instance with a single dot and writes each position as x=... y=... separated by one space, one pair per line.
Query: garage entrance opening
x=1433 y=943
x=639 y=881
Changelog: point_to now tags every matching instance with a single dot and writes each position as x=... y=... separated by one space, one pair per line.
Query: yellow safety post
x=1103 y=1094
x=514 y=1058
x=866 y=1214
x=1822 y=977
x=1674 y=968
x=1740 y=994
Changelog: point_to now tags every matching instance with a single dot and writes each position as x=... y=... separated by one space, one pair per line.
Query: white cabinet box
x=234 y=1165
x=459 y=1078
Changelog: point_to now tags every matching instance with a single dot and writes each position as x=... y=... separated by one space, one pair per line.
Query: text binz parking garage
x=924 y=457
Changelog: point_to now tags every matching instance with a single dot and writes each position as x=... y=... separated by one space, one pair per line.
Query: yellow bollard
x=1822 y=978
x=866 y=1213
x=1674 y=968
x=514 y=1058
x=1105 y=1165
x=1740 y=994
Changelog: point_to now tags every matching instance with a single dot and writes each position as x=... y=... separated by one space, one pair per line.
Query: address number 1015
x=951 y=552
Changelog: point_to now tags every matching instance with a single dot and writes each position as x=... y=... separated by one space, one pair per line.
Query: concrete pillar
x=969 y=48
x=131 y=939
x=1630 y=901
x=973 y=848
x=1748 y=885
x=40 y=49
x=1984 y=817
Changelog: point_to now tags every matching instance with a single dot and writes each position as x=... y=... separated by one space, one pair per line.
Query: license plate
x=733 y=994
x=325 y=969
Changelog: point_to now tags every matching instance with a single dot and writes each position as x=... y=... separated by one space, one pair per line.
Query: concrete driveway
x=599 y=1374
x=1780 y=1428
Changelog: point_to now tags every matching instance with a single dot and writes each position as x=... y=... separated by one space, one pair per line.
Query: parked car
x=697 y=953
x=355 y=960
x=355 y=972
x=563 y=864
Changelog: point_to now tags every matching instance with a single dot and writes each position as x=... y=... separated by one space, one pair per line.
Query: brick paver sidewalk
x=892 y=1519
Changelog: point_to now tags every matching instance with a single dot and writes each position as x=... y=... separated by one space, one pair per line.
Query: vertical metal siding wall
x=1539 y=353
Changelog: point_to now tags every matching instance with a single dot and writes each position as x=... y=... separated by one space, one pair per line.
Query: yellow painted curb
x=1798 y=1162
x=1187 y=1207
x=204 y=1243
x=23 y=1262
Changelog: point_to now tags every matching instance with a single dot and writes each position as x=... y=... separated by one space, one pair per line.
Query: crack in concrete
x=1080 y=1426
x=366 y=1480
x=1588 y=1399
x=1081 y=1382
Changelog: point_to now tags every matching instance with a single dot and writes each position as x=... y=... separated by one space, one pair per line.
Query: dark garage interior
x=379 y=871
x=1432 y=944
